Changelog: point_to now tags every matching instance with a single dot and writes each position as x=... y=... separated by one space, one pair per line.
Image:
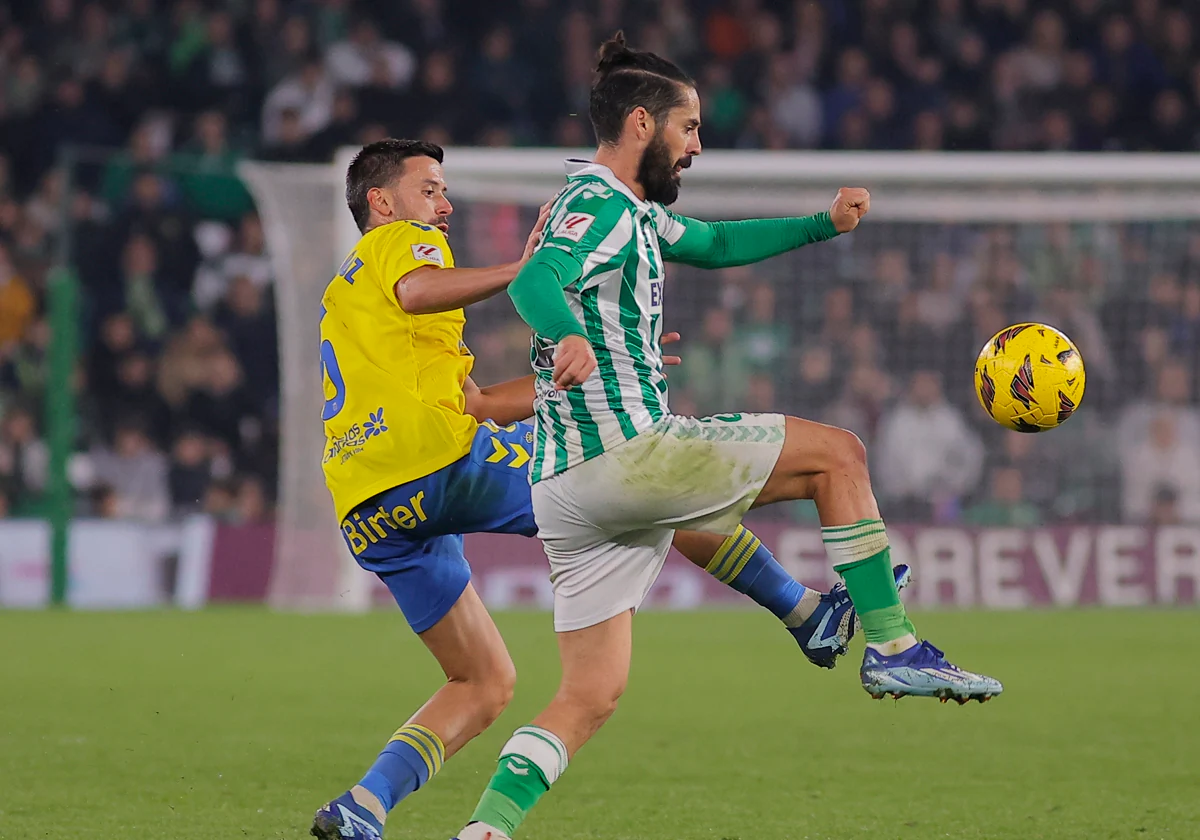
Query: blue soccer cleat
x=826 y=634
x=345 y=819
x=923 y=671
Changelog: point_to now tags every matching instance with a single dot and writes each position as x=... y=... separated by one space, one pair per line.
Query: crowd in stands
x=179 y=380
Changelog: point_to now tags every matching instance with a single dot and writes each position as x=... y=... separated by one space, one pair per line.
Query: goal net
x=957 y=246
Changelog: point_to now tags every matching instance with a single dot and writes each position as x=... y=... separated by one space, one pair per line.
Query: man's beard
x=656 y=171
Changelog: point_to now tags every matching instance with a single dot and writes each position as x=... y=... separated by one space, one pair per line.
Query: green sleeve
x=537 y=293
x=724 y=244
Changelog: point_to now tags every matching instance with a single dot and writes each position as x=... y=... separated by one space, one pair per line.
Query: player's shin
x=529 y=764
x=861 y=556
x=410 y=759
x=743 y=563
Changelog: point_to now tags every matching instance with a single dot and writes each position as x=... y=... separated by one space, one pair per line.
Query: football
x=1029 y=378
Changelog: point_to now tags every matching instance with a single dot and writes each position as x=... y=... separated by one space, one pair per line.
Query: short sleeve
x=585 y=223
x=406 y=246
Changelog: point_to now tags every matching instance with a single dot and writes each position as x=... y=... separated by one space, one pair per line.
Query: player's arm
x=537 y=293
x=724 y=244
x=431 y=288
x=504 y=403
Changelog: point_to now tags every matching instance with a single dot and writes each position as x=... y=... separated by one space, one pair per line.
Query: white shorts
x=607 y=524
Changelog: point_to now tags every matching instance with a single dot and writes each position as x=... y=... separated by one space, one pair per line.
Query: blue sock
x=745 y=564
x=410 y=759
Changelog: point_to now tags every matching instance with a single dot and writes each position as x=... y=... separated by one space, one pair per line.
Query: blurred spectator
x=714 y=372
x=24 y=459
x=352 y=61
x=304 y=98
x=1171 y=396
x=1005 y=506
x=190 y=472
x=18 y=306
x=209 y=177
x=929 y=459
x=137 y=473
x=1163 y=460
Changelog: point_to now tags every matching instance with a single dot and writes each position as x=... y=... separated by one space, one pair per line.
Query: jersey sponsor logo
x=354 y=439
x=428 y=254
x=656 y=296
x=574 y=226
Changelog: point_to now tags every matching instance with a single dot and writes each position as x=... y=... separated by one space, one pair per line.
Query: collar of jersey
x=576 y=168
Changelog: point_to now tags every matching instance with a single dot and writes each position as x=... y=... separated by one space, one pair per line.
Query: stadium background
x=122 y=125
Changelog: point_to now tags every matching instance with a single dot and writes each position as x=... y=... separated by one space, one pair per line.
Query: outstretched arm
x=504 y=403
x=725 y=244
x=430 y=289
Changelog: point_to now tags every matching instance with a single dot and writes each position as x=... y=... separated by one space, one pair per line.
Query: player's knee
x=495 y=690
x=848 y=454
x=596 y=701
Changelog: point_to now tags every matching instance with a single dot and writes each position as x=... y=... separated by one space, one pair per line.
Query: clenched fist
x=574 y=362
x=850 y=205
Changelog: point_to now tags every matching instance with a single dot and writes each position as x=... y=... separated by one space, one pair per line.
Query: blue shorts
x=411 y=536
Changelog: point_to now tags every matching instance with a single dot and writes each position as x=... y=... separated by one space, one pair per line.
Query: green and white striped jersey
x=620 y=241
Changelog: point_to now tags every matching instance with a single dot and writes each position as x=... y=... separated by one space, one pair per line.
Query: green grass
x=229 y=724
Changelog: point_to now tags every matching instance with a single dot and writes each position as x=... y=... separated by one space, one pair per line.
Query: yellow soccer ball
x=1029 y=378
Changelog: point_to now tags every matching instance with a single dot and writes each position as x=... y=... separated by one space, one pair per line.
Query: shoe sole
x=325 y=828
x=943 y=695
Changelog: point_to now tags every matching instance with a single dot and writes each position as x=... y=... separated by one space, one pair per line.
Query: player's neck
x=624 y=164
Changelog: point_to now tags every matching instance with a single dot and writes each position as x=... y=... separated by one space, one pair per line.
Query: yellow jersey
x=393 y=381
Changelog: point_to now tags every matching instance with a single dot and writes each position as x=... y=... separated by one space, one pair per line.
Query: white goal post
x=309 y=231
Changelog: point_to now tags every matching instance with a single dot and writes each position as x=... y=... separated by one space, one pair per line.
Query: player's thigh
x=426 y=577
x=810 y=452
x=596 y=573
x=488 y=490
x=468 y=645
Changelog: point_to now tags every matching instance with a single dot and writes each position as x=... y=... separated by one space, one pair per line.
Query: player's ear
x=642 y=123
x=380 y=201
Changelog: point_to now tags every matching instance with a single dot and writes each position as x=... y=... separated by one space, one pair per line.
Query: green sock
x=861 y=556
x=529 y=764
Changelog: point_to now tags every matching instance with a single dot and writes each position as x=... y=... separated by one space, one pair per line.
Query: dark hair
x=627 y=79
x=377 y=165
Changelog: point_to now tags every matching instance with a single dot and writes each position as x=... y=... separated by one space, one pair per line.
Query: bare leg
x=479 y=681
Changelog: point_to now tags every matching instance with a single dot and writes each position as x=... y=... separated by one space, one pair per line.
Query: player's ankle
x=481 y=831
x=891 y=648
x=369 y=801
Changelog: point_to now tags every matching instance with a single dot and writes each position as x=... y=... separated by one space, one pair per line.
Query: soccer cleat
x=825 y=635
x=923 y=671
x=345 y=819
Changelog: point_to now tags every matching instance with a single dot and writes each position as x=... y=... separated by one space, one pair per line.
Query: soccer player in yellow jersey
x=410 y=446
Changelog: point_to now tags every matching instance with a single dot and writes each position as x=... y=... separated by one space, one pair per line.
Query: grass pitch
x=231 y=724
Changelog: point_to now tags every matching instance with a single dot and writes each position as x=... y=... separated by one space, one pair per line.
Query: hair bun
x=614 y=54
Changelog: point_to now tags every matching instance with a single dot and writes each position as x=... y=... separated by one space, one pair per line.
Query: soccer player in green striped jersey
x=615 y=473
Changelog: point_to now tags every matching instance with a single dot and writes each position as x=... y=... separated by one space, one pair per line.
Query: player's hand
x=671 y=338
x=850 y=205
x=574 y=362
x=536 y=233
